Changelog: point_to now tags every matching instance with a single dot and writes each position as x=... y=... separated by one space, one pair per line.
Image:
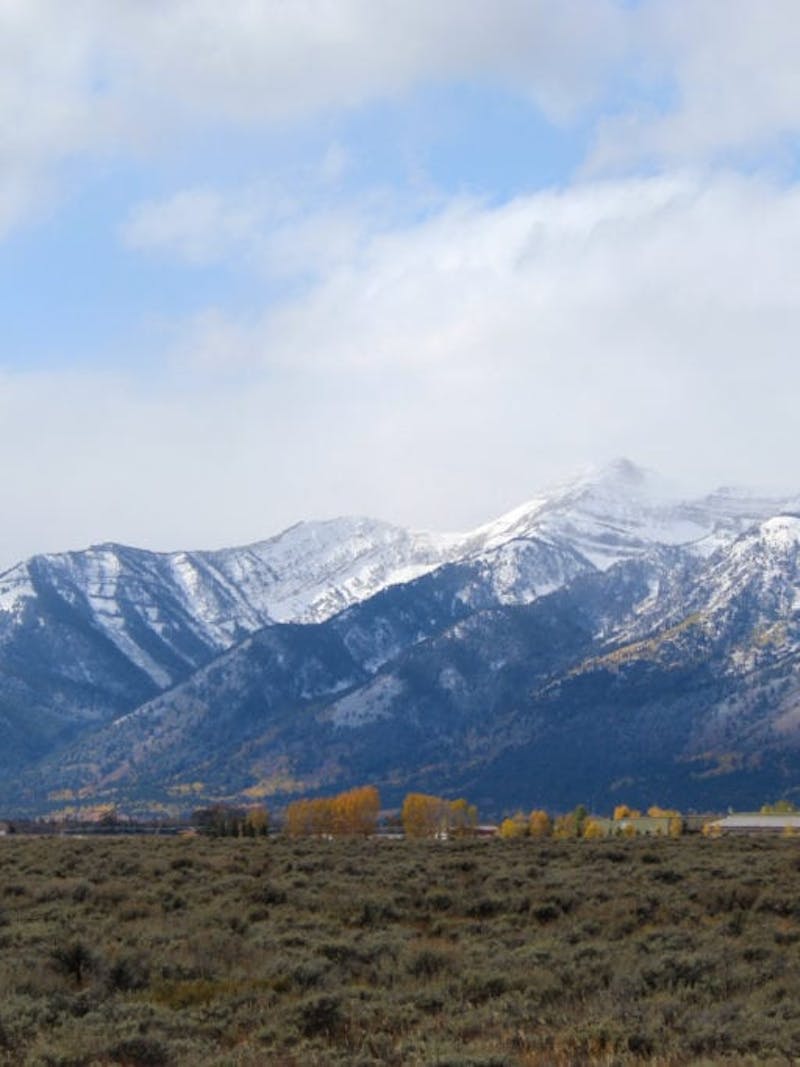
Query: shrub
x=74 y=959
x=320 y=1017
x=140 y=1052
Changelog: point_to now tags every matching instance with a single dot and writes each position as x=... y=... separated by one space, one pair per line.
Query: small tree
x=540 y=824
x=515 y=826
x=310 y=818
x=571 y=825
x=257 y=822
x=780 y=807
x=220 y=820
x=463 y=817
x=581 y=815
x=622 y=811
x=423 y=815
x=356 y=811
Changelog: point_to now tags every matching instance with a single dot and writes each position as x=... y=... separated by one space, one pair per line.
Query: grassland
x=464 y=953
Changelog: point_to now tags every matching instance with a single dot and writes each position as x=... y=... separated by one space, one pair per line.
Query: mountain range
x=606 y=641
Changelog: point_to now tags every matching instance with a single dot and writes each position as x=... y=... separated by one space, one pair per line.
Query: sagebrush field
x=156 y=951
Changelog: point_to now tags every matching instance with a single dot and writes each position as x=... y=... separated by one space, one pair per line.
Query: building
x=637 y=826
x=755 y=823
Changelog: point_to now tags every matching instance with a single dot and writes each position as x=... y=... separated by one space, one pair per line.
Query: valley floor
x=464 y=953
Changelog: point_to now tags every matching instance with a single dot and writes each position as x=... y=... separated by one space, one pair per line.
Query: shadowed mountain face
x=603 y=641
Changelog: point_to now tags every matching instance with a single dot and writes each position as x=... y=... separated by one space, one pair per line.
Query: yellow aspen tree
x=321 y=816
x=540 y=824
x=622 y=811
x=296 y=818
x=515 y=826
x=356 y=811
x=421 y=815
x=309 y=818
x=257 y=822
x=463 y=817
x=565 y=826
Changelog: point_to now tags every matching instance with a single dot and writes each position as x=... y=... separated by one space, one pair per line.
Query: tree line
x=580 y=823
x=356 y=812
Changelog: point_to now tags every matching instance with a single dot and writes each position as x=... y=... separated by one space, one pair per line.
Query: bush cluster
x=325 y=953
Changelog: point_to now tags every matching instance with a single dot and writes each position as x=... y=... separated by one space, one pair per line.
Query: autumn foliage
x=622 y=811
x=220 y=820
x=539 y=824
x=515 y=826
x=430 y=816
x=592 y=830
x=354 y=812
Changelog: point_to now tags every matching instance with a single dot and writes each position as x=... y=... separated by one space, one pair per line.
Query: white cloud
x=443 y=373
x=47 y=111
x=335 y=163
x=701 y=77
x=476 y=284
x=263 y=228
x=269 y=59
x=129 y=77
x=730 y=79
x=199 y=226
x=432 y=373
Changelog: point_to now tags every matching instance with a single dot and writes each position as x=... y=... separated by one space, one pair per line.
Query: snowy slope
x=619 y=511
x=315 y=569
x=451 y=643
x=748 y=590
x=168 y=613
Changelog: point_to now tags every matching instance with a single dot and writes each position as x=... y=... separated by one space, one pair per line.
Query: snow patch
x=15 y=587
x=369 y=704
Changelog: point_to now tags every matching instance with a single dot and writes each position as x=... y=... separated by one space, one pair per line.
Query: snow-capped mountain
x=552 y=702
x=613 y=561
x=168 y=612
x=619 y=511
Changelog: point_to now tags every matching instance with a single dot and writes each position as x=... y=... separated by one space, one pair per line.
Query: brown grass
x=167 y=951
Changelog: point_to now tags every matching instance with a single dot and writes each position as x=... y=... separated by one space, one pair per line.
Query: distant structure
x=756 y=823
x=639 y=826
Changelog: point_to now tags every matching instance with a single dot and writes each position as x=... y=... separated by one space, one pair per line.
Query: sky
x=275 y=260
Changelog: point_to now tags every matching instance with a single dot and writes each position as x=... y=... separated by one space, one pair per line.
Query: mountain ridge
x=98 y=645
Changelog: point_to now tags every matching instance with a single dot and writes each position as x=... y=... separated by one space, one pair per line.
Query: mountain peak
x=781 y=532
x=611 y=486
x=624 y=477
x=625 y=470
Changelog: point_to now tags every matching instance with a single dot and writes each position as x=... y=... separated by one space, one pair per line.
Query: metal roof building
x=757 y=823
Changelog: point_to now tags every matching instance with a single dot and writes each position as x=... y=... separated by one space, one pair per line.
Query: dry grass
x=258 y=952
